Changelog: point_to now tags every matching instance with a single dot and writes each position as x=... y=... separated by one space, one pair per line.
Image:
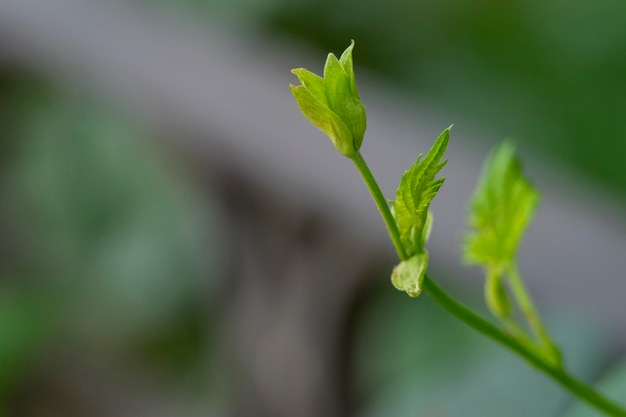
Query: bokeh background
x=176 y=240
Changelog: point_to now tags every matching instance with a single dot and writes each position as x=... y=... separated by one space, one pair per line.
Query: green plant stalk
x=557 y=373
x=381 y=203
x=529 y=311
x=500 y=307
x=474 y=320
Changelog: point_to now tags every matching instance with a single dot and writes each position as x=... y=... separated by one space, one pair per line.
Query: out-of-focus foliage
x=501 y=209
x=108 y=246
x=550 y=73
x=414 y=359
x=26 y=322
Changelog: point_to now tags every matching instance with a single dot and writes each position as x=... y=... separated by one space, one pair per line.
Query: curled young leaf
x=332 y=103
x=408 y=275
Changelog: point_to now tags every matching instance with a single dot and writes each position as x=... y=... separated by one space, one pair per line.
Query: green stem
x=481 y=325
x=500 y=306
x=381 y=203
x=529 y=311
x=478 y=323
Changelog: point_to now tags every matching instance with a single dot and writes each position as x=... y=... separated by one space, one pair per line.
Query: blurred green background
x=111 y=248
x=550 y=74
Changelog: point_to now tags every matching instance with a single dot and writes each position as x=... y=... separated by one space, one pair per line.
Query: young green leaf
x=501 y=210
x=408 y=275
x=417 y=189
x=332 y=102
